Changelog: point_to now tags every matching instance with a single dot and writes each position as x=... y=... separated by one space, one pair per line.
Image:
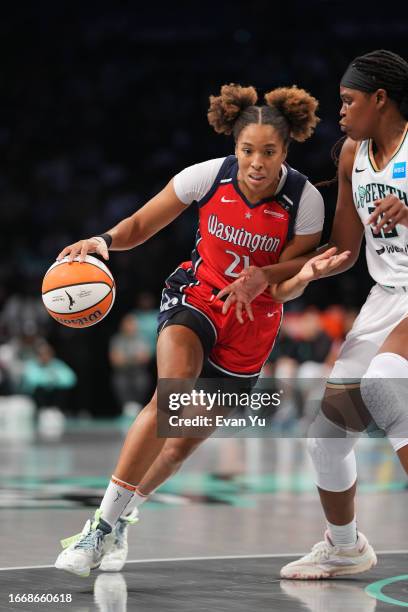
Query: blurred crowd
x=301 y=361
x=30 y=366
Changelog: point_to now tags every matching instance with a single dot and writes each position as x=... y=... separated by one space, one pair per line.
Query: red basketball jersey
x=234 y=234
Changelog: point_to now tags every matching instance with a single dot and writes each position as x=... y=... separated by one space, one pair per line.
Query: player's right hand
x=80 y=249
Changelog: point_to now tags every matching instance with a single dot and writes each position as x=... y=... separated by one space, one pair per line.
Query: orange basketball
x=78 y=294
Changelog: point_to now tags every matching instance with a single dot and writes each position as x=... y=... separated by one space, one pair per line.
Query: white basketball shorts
x=381 y=313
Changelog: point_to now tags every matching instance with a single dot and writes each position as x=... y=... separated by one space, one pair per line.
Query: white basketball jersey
x=387 y=252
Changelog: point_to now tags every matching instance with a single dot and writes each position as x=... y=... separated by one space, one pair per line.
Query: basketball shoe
x=328 y=561
x=85 y=551
x=115 y=557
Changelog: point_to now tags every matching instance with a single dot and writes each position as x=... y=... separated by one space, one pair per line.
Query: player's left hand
x=321 y=265
x=250 y=283
x=388 y=212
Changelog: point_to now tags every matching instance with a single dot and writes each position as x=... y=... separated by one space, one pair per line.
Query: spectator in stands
x=301 y=362
x=48 y=379
x=146 y=317
x=17 y=351
x=129 y=357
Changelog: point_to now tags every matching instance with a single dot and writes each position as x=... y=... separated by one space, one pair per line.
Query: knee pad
x=384 y=389
x=331 y=449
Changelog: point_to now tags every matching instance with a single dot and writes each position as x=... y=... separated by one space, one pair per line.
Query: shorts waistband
x=392 y=289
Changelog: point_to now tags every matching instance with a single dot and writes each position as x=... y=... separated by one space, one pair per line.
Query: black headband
x=355 y=79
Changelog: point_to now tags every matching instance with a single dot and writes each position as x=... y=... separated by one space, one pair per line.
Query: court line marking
x=375 y=589
x=213 y=558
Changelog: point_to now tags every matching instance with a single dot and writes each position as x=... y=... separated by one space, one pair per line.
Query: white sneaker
x=115 y=557
x=85 y=551
x=329 y=561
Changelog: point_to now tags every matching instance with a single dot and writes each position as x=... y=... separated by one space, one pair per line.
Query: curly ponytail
x=226 y=108
x=290 y=110
x=298 y=107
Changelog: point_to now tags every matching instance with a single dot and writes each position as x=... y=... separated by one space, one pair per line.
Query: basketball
x=78 y=294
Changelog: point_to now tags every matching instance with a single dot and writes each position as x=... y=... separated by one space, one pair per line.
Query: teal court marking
x=201 y=483
x=375 y=590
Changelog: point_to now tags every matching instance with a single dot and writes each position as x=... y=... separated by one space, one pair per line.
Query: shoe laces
x=320 y=552
x=91 y=540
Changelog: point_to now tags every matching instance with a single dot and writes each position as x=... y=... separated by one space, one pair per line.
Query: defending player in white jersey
x=370 y=377
x=386 y=248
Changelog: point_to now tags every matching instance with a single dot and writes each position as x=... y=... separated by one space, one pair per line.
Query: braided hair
x=383 y=70
x=388 y=71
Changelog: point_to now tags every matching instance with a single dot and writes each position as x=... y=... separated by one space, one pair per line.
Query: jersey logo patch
x=225 y=200
x=362 y=169
x=399 y=170
x=278 y=215
x=362 y=193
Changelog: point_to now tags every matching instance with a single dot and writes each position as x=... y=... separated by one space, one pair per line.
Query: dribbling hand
x=81 y=248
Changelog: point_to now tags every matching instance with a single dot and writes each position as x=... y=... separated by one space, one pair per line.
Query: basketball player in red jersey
x=254 y=209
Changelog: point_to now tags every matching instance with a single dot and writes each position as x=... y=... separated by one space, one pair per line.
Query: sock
x=137 y=499
x=116 y=498
x=344 y=536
